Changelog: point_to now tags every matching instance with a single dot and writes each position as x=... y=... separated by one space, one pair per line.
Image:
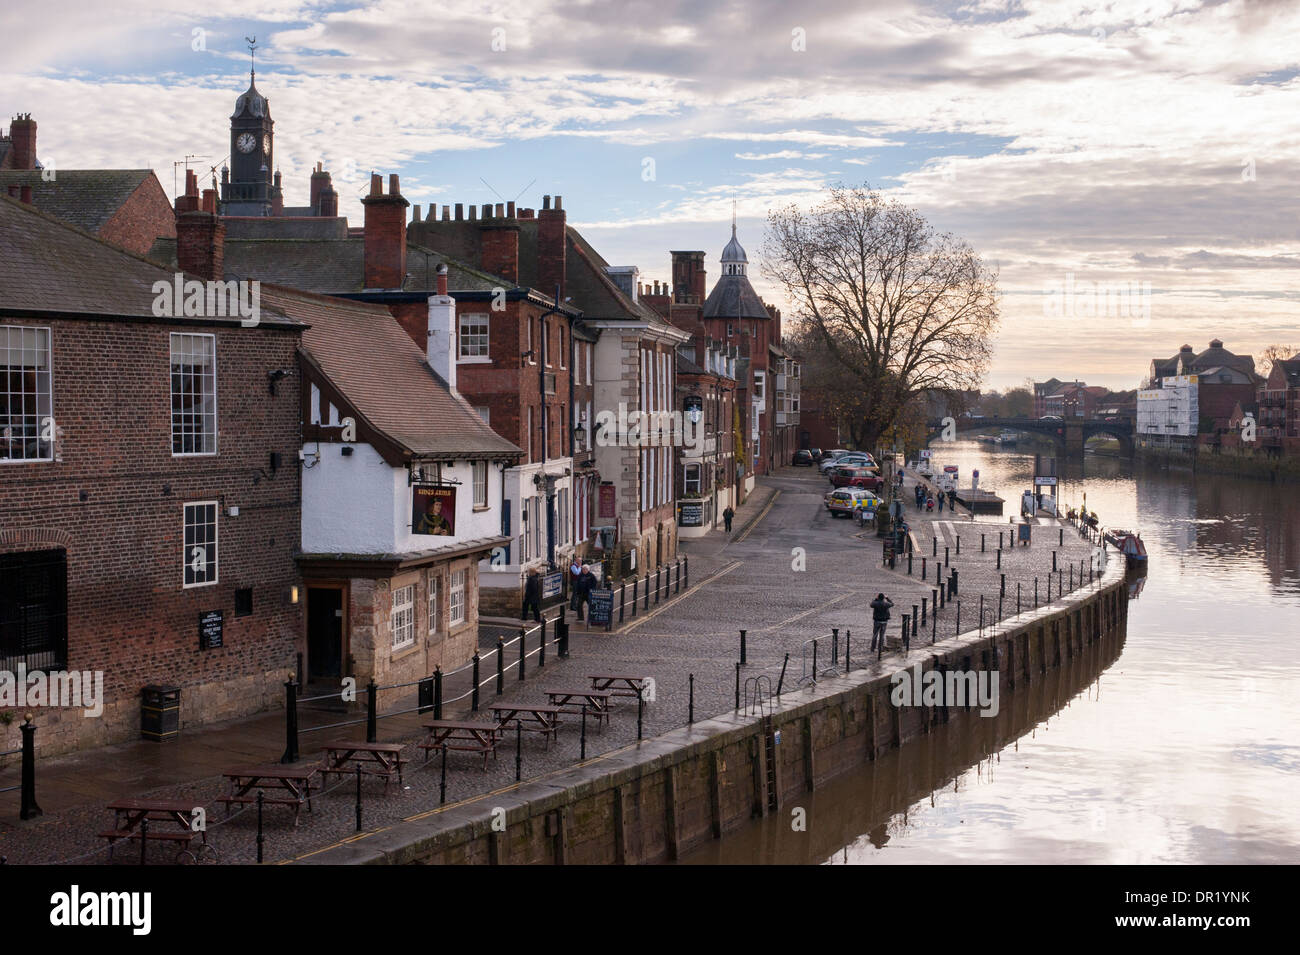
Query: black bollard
x=848 y=637
x=1000 y=540
x=260 y=797
x=1053 y=561
x=473 y=700
x=437 y=693
x=952 y=585
x=372 y=712
x=923 y=568
x=1035 y=591
x=501 y=665
x=29 y=808
x=981 y=543
x=563 y=639
x=780 y=681
x=290 y=722
x=934 y=628
x=442 y=786
x=958 y=630
x=999 y=565
x=909 y=562
x=582 y=753
x=907 y=642
x=814 y=661
x=646 y=605
x=738 y=676
x=999 y=608
x=945 y=554
x=934 y=547
x=541 y=649
x=835 y=646
x=742 y=646
x=958 y=545
x=690 y=705
x=640 y=712
x=678 y=588
x=1017 y=598
x=358 y=797
x=923 y=602
x=1060 y=541
x=1002 y=588
x=635 y=585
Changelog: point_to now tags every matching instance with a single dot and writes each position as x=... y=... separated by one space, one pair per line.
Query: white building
x=1170 y=410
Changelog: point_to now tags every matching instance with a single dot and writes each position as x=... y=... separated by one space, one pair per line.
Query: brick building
x=126 y=207
x=147 y=477
x=1224 y=380
x=1278 y=398
x=706 y=392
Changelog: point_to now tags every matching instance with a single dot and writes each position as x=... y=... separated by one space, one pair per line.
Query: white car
x=848 y=500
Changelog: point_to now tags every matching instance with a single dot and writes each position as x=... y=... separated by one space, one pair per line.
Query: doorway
x=324 y=633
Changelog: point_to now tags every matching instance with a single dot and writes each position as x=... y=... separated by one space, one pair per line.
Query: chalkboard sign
x=692 y=513
x=600 y=607
x=211 y=625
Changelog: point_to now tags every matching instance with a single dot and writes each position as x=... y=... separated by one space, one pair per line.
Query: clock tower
x=246 y=190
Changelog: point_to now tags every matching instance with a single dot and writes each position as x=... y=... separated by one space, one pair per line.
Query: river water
x=1184 y=749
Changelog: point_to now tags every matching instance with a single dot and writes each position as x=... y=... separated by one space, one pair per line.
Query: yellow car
x=850 y=500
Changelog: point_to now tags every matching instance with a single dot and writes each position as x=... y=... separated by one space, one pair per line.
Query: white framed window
x=564 y=351
x=434 y=583
x=403 y=617
x=485 y=413
x=480 y=483
x=456 y=599
x=199 y=553
x=546 y=342
x=691 y=479
x=26 y=394
x=473 y=336
x=194 y=393
x=758 y=386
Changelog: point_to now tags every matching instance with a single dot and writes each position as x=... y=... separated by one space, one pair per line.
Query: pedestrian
x=941 y=502
x=727 y=515
x=532 y=596
x=575 y=572
x=582 y=589
x=879 y=619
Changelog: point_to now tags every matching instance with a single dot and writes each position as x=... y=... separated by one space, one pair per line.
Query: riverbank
x=1255 y=466
x=656 y=800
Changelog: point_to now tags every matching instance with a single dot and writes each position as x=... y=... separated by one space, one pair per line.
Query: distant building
x=1172 y=410
x=1278 y=397
x=1224 y=380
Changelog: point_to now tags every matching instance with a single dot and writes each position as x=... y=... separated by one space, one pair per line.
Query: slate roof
x=734 y=297
x=47 y=265
x=86 y=198
x=383 y=374
x=332 y=266
x=594 y=292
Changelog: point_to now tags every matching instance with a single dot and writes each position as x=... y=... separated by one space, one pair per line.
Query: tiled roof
x=332 y=266
x=86 y=198
x=47 y=265
x=734 y=297
x=383 y=374
x=594 y=292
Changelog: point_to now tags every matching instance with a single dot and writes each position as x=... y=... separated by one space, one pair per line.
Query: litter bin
x=160 y=712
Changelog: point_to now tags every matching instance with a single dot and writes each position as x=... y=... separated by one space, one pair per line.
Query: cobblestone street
x=747 y=581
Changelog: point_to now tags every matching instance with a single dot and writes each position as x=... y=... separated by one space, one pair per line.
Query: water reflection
x=1190 y=755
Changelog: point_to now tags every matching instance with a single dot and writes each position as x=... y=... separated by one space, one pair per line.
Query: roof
x=734 y=297
x=47 y=265
x=384 y=376
x=734 y=251
x=332 y=265
x=595 y=293
x=86 y=198
x=252 y=102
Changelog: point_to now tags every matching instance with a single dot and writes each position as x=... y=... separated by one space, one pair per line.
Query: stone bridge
x=1069 y=434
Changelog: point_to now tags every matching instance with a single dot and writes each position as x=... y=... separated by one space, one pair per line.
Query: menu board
x=211 y=629
x=600 y=606
x=692 y=513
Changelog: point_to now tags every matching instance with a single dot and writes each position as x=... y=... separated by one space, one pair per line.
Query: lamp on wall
x=580 y=435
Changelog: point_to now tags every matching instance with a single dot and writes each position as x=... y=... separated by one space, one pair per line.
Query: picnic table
x=544 y=717
x=572 y=701
x=375 y=759
x=293 y=781
x=130 y=813
x=463 y=736
x=618 y=684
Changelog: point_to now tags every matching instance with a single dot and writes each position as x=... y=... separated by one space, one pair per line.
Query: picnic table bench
x=618 y=684
x=130 y=813
x=572 y=701
x=293 y=781
x=464 y=736
x=544 y=717
x=375 y=759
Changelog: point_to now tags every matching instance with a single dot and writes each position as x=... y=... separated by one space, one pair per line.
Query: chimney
x=441 y=348
x=550 y=247
x=329 y=202
x=22 y=133
x=200 y=234
x=688 y=278
x=277 y=196
x=320 y=181
x=385 y=229
x=500 y=245
x=25 y=195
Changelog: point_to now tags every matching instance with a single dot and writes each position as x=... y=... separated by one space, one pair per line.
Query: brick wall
x=144 y=217
x=115 y=502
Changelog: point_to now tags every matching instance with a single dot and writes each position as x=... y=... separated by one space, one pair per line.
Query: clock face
x=266 y=145
x=246 y=143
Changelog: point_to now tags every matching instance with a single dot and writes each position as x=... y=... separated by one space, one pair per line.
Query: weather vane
x=252 y=55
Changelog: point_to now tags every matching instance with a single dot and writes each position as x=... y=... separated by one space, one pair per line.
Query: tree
x=1275 y=353
x=896 y=308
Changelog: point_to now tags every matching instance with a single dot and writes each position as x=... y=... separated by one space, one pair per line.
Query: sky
x=1131 y=168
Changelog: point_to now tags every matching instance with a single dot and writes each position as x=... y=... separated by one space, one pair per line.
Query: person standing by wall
x=532 y=596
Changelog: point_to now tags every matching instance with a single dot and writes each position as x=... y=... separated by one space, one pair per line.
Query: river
x=1184 y=749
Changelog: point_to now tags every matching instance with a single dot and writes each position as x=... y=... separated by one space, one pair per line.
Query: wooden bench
x=618 y=684
x=573 y=701
x=543 y=717
x=131 y=814
x=295 y=781
x=375 y=759
x=464 y=736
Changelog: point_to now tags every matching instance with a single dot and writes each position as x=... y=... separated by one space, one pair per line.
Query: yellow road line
x=758 y=520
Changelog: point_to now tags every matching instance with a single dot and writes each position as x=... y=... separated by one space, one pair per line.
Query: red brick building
x=1278 y=397
x=148 y=478
x=126 y=207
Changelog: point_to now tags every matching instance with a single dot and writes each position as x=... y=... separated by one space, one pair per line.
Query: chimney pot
x=376 y=184
x=460 y=209
x=510 y=210
x=559 y=202
x=415 y=213
x=500 y=210
x=446 y=213
x=487 y=210
x=546 y=202
x=473 y=213
x=442 y=278
x=393 y=188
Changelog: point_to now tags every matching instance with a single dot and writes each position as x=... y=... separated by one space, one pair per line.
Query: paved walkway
x=788 y=574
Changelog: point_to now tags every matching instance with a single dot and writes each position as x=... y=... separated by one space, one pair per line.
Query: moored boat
x=1130 y=545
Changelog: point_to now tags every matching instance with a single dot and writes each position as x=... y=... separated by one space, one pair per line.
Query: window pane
x=194 y=394
x=26 y=401
x=200 y=544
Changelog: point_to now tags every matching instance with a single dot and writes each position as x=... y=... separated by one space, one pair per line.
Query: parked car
x=802 y=459
x=863 y=477
x=850 y=459
x=816 y=454
x=849 y=500
x=1050 y=417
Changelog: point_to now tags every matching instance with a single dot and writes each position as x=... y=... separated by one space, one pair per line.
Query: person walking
x=727 y=515
x=532 y=596
x=941 y=496
x=575 y=573
x=582 y=589
x=879 y=619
